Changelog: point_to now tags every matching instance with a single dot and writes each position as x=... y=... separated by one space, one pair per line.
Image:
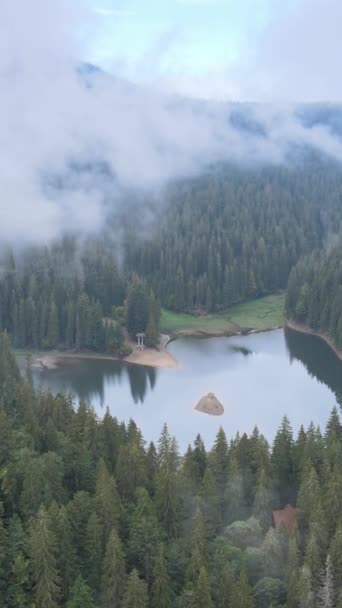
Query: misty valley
x=170 y=304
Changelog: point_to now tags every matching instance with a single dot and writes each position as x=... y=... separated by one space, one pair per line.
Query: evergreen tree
x=80 y=595
x=137 y=307
x=136 y=595
x=242 y=593
x=167 y=483
x=107 y=500
x=43 y=562
x=282 y=463
x=161 y=595
x=114 y=572
x=202 y=590
x=144 y=535
x=305 y=590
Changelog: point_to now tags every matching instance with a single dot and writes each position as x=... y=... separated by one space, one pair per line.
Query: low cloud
x=72 y=137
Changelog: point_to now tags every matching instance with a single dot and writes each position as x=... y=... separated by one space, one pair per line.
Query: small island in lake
x=210 y=405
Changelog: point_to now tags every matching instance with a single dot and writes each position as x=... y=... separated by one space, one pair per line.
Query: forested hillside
x=53 y=296
x=93 y=517
x=226 y=237
x=234 y=234
x=314 y=294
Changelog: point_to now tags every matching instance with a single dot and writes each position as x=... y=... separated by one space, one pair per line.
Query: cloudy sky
x=279 y=51
x=264 y=50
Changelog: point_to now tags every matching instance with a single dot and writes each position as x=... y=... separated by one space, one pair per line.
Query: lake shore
x=151 y=357
x=224 y=333
x=305 y=329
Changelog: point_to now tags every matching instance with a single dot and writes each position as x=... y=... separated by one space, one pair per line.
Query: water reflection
x=258 y=378
x=242 y=350
x=88 y=379
x=318 y=358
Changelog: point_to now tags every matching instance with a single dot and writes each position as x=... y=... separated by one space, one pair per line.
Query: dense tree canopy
x=233 y=234
x=314 y=295
x=90 y=516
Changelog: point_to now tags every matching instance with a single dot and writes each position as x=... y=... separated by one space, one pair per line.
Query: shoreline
x=149 y=357
x=305 y=329
x=220 y=333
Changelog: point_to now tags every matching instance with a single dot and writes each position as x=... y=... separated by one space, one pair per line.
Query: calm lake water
x=258 y=378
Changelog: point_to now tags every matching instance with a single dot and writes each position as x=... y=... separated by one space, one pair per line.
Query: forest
x=234 y=234
x=201 y=245
x=70 y=296
x=314 y=294
x=93 y=517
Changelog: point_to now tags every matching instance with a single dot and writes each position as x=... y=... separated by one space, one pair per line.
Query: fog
x=72 y=138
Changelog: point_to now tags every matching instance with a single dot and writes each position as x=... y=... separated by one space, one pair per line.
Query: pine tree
x=166 y=498
x=152 y=334
x=4 y=555
x=114 y=572
x=66 y=556
x=53 y=329
x=42 y=546
x=202 y=590
x=263 y=500
x=225 y=589
x=137 y=308
x=144 y=535
x=161 y=595
x=80 y=595
x=107 y=500
x=305 y=590
x=282 y=462
x=242 y=593
x=292 y=568
x=199 y=548
x=94 y=550
x=335 y=552
x=136 y=595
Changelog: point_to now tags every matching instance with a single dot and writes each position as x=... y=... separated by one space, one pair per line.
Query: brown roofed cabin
x=286 y=517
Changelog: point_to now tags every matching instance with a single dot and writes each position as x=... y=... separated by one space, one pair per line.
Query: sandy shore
x=150 y=357
x=305 y=329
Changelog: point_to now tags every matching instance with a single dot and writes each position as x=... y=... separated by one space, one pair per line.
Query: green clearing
x=262 y=313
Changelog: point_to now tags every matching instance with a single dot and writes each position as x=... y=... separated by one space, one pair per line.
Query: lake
x=258 y=378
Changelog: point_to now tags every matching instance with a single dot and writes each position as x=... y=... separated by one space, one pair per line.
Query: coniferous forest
x=93 y=517
x=234 y=234
x=314 y=294
x=208 y=242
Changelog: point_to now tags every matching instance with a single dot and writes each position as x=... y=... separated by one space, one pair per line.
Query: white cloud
x=48 y=117
x=298 y=57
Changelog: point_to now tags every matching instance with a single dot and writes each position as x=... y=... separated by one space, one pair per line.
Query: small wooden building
x=286 y=517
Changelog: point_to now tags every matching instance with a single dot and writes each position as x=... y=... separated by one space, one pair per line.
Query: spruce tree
x=94 y=550
x=80 y=595
x=202 y=590
x=161 y=590
x=242 y=593
x=42 y=547
x=144 y=535
x=292 y=568
x=114 y=572
x=107 y=500
x=305 y=588
x=136 y=595
x=167 y=497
